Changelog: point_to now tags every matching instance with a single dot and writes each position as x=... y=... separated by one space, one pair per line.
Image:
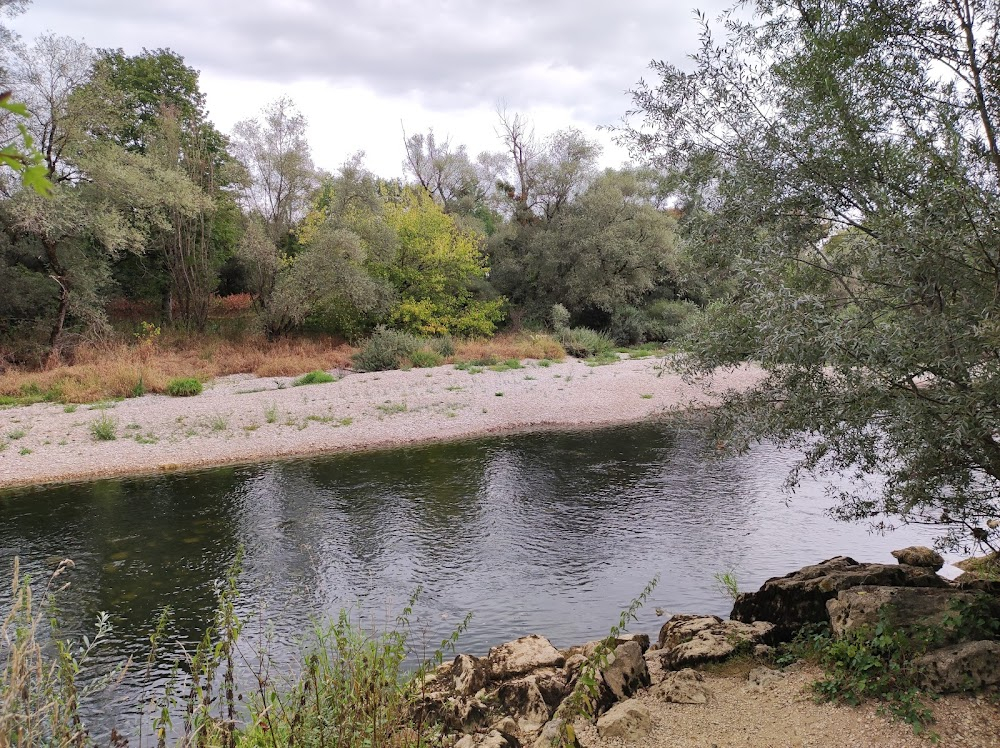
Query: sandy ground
x=783 y=714
x=242 y=419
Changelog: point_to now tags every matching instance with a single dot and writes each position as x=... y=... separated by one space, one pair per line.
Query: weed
x=529 y=378
x=319 y=419
x=16 y=434
x=219 y=423
x=544 y=363
x=147 y=438
x=251 y=427
x=345 y=421
x=271 y=413
x=454 y=388
x=498 y=394
x=646 y=397
x=386 y=349
x=71 y=408
x=314 y=377
x=104 y=428
x=4 y=444
x=582 y=342
x=25 y=451
x=390 y=408
x=133 y=427
x=725 y=581
x=139 y=389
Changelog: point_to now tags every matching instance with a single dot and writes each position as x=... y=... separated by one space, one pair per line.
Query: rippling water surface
x=551 y=533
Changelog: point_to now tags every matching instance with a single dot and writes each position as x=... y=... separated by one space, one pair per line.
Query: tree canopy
x=839 y=160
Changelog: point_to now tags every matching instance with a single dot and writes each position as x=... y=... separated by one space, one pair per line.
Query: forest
x=157 y=225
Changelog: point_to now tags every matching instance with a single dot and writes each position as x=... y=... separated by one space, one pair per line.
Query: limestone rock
x=799 y=598
x=918 y=555
x=493 y=739
x=456 y=713
x=469 y=674
x=685 y=686
x=505 y=725
x=523 y=656
x=970 y=666
x=626 y=672
x=552 y=735
x=861 y=606
x=692 y=640
x=630 y=721
x=522 y=699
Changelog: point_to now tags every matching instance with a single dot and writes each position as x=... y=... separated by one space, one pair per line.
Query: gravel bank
x=243 y=419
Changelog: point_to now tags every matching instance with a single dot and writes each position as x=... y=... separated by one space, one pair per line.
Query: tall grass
x=350 y=689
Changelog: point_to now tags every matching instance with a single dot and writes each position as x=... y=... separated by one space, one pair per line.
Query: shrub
x=184 y=387
x=425 y=358
x=104 y=428
x=386 y=349
x=314 y=377
x=582 y=342
x=560 y=317
x=444 y=345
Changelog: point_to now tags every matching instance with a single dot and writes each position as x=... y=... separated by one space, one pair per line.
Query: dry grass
x=119 y=370
x=508 y=346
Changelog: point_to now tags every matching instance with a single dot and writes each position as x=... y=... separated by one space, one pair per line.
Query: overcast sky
x=361 y=70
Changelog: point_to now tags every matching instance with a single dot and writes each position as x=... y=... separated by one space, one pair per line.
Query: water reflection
x=548 y=532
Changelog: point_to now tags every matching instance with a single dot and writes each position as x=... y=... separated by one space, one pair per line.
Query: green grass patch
x=314 y=377
x=184 y=387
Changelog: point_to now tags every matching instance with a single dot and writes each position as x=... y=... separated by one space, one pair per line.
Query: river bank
x=243 y=419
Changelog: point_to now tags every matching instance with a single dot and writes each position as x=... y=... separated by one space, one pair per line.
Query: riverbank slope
x=241 y=419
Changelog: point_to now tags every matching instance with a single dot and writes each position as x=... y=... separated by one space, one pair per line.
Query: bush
x=184 y=387
x=582 y=342
x=314 y=377
x=425 y=358
x=444 y=346
x=660 y=321
x=560 y=317
x=386 y=349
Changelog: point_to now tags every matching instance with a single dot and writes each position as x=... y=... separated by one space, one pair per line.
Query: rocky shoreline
x=528 y=693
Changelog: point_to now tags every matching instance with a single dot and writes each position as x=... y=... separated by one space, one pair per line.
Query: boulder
x=522 y=699
x=794 y=600
x=522 y=656
x=862 y=606
x=469 y=674
x=972 y=582
x=505 y=725
x=685 y=686
x=455 y=713
x=970 y=666
x=626 y=672
x=493 y=739
x=918 y=555
x=629 y=721
x=692 y=640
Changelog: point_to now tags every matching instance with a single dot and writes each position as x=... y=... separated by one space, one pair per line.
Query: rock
x=692 y=640
x=918 y=555
x=799 y=598
x=552 y=735
x=493 y=739
x=626 y=672
x=641 y=639
x=972 y=582
x=522 y=699
x=469 y=674
x=506 y=725
x=522 y=656
x=761 y=678
x=682 y=687
x=573 y=664
x=970 y=666
x=980 y=564
x=456 y=713
x=630 y=721
x=861 y=606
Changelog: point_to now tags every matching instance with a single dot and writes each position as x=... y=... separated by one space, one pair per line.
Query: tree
x=276 y=155
x=609 y=249
x=435 y=269
x=446 y=173
x=840 y=158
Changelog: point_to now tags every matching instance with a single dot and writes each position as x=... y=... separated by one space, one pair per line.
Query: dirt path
x=243 y=419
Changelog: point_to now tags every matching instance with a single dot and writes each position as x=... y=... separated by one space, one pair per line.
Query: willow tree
x=840 y=160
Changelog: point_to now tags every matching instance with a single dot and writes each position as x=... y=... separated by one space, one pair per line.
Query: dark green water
x=549 y=533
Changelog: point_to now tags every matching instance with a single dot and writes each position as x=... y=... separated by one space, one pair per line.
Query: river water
x=549 y=533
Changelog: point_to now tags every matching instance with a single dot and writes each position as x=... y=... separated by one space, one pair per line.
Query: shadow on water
x=546 y=532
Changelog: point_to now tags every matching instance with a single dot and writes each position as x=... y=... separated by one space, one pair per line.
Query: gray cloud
x=447 y=54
